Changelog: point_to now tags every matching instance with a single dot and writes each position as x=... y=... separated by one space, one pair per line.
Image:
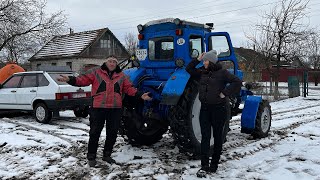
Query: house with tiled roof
x=79 y=50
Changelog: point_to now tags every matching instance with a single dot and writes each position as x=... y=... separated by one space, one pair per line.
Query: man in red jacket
x=108 y=85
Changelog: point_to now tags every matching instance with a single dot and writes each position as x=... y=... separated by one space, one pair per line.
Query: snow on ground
x=29 y=150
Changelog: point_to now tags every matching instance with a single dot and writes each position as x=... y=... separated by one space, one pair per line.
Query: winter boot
x=108 y=159
x=92 y=163
x=213 y=167
x=203 y=172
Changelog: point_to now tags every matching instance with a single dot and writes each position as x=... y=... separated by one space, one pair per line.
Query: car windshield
x=55 y=76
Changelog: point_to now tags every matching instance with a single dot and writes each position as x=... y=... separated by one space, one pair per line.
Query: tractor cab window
x=221 y=45
x=228 y=65
x=195 y=43
x=161 y=48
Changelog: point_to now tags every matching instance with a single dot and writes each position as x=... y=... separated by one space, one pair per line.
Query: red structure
x=8 y=70
x=285 y=72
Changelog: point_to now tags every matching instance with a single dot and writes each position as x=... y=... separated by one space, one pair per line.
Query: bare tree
x=280 y=33
x=262 y=42
x=131 y=42
x=24 y=26
x=313 y=50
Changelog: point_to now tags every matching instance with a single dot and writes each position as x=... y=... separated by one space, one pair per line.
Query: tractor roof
x=172 y=20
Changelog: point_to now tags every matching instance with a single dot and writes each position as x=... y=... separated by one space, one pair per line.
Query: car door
x=8 y=92
x=46 y=90
x=27 y=91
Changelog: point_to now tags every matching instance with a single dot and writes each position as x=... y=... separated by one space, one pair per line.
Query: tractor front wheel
x=263 y=120
x=141 y=130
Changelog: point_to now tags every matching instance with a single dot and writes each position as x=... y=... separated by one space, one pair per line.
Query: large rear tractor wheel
x=141 y=130
x=184 y=121
x=263 y=120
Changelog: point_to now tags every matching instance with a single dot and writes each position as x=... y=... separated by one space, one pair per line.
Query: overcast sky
x=233 y=16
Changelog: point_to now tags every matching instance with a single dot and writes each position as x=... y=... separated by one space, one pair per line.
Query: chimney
x=71 y=31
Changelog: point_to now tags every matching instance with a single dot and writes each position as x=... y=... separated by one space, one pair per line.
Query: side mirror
x=135 y=61
x=195 y=53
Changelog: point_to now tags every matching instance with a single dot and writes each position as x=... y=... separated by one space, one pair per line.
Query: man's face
x=111 y=63
x=206 y=64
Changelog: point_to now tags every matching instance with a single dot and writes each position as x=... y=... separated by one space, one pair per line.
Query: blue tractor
x=165 y=47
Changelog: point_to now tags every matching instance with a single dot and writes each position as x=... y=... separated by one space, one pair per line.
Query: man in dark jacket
x=213 y=94
x=108 y=85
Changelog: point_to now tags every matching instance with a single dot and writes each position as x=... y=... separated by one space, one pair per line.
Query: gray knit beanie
x=211 y=56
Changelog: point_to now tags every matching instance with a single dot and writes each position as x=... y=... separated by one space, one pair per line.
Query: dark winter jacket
x=213 y=81
x=107 y=87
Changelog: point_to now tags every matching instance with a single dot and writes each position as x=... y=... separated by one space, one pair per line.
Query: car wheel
x=42 y=113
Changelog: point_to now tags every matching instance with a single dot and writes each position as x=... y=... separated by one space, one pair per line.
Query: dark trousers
x=212 y=116
x=98 y=117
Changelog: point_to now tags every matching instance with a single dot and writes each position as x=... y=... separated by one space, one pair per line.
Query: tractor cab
x=168 y=44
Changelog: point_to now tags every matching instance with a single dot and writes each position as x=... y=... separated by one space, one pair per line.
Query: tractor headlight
x=179 y=63
x=140 y=27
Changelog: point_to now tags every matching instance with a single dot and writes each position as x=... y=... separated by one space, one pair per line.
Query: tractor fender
x=174 y=87
x=249 y=112
x=135 y=74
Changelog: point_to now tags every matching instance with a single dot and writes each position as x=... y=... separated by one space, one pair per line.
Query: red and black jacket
x=108 y=87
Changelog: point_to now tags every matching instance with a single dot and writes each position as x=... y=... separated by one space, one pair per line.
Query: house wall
x=106 y=45
x=77 y=64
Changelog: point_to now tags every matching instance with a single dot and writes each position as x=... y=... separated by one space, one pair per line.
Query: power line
x=154 y=15
x=189 y=5
x=245 y=8
x=157 y=16
x=228 y=22
x=240 y=9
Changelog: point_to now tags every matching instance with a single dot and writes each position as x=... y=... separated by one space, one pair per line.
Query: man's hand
x=201 y=56
x=63 y=78
x=146 y=96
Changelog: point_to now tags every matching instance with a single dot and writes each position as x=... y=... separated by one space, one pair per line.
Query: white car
x=40 y=92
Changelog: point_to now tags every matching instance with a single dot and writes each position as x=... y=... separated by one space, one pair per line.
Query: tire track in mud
x=77 y=150
x=29 y=127
x=58 y=120
x=65 y=126
x=237 y=120
x=258 y=145
x=295 y=109
x=173 y=163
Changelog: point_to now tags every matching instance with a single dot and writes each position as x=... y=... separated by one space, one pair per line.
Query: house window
x=69 y=64
x=104 y=43
x=53 y=64
x=38 y=65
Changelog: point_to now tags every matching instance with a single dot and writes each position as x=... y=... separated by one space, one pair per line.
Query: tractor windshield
x=161 y=48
